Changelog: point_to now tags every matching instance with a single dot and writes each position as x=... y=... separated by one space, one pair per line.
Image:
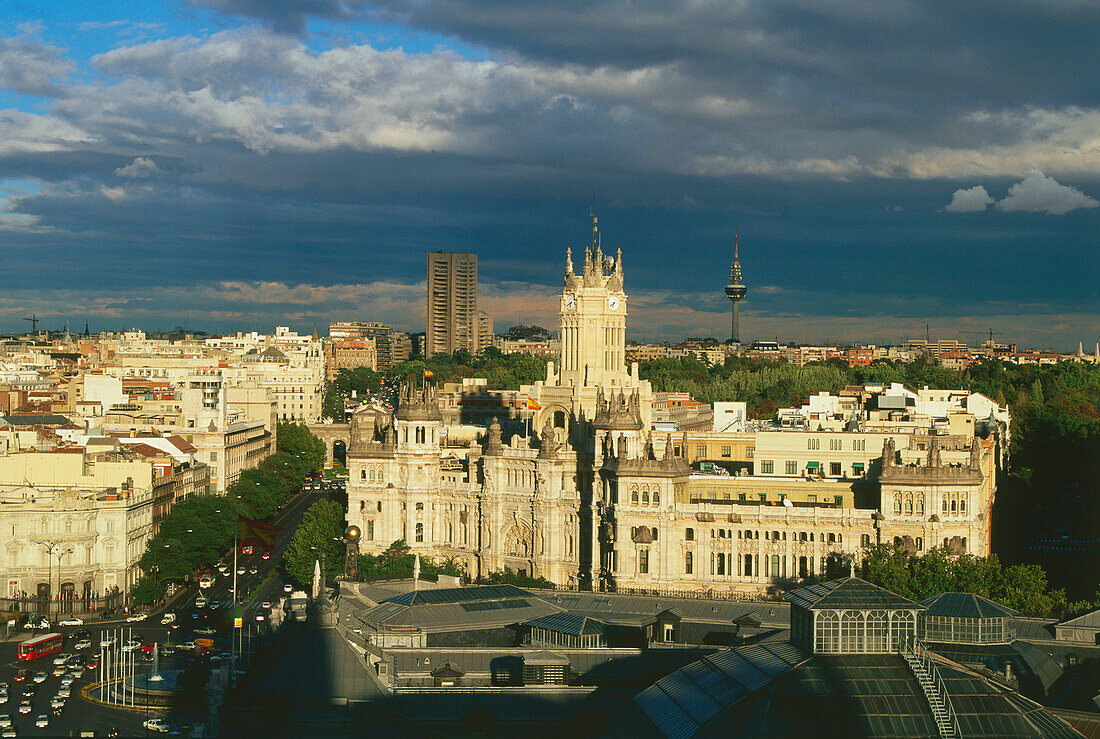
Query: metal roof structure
x=476 y=594
x=784 y=691
x=690 y=698
x=1026 y=659
x=1089 y=620
x=965 y=605
x=848 y=592
x=568 y=623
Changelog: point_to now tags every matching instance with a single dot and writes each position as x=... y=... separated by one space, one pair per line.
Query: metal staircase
x=924 y=669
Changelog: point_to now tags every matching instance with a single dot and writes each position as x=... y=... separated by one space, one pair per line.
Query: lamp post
x=52 y=548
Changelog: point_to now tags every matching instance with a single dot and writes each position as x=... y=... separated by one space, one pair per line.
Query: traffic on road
x=45 y=672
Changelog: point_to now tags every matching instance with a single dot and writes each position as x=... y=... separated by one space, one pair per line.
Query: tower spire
x=736 y=290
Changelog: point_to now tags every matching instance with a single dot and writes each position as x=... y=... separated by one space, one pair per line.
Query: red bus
x=39 y=646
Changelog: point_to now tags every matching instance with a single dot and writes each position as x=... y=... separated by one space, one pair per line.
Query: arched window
x=851 y=632
x=656 y=498
x=634 y=496
x=897 y=505
x=372 y=475
x=962 y=505
x=945 y=505
x=645 y=497
x=908 y=506
x=954 y=507
x=420 y=532
x=920 y=506
x=559 y=419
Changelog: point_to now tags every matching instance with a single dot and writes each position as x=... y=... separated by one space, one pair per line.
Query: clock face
x=612 y=302
x=570 y=302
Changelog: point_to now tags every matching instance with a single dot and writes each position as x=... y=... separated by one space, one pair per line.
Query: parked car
x=71 y=621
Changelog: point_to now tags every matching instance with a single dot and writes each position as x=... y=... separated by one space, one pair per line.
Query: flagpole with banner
x=532 y=406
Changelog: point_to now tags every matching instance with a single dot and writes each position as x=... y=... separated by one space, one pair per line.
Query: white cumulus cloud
x=140 y=168
x=1041 y=194
x=969 y=200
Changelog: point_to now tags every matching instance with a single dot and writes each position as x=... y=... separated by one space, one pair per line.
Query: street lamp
x=59 y=549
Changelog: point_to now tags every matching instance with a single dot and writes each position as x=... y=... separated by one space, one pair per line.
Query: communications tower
x=736 y=292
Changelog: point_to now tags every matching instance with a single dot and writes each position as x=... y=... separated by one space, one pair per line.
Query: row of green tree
x=360 y=382
x=502 y=371
x=1022 y=587
x=200 y=529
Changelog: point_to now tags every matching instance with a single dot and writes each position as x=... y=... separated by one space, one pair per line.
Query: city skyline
x=249 y=165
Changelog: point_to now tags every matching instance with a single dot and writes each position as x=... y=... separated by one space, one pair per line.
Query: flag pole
x=233 y=610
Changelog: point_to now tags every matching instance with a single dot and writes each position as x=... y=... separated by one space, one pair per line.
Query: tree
x=397 y=562
x=320 y=532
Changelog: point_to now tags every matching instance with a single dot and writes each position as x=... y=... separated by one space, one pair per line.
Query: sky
x=892 y=168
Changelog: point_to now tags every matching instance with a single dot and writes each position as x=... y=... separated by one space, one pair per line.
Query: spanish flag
x=257 y=533
x=533 y=406
x=428 y=373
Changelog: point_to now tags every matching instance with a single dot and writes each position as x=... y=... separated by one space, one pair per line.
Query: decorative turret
x=418 y=402
x=619 y=412
x=736 y=292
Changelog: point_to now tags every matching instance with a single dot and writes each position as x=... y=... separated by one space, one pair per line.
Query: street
x=259 y=583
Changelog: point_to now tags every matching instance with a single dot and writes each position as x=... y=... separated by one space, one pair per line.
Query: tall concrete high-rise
x=452 y=303
x=736 y=292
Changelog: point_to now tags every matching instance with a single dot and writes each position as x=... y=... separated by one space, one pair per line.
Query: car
x=64 y=692
x=56 y=703
x=3 y=692
x=59 y=670
x=29 y=690
x=25 y=707
x=93 y=663
x=215 y=605
x=107 y=641
x=207 y=631
x=200 y=602
x=288 y=588
x=137 y=617
x=42 y=721
x=156 y=724
x=267 y=555
x=67 y=680
x=168 y=618
x=82 y=634
x=5 y=720
x=252 y=570
x=82 y=644
x=266 y=605
x=187 y=646
x=40 y=677
x=8 y=733
x=241 y=570
x=62 y=658
x=78 y=672
x=71 y=622
x=148 y=648
x=261 y=617
x=131 y=645
x=22 y=676
x=76 y=659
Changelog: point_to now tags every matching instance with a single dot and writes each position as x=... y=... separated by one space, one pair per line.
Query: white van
x=168 y=618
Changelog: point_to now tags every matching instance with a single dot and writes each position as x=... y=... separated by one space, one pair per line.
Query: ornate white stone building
x=597 y=500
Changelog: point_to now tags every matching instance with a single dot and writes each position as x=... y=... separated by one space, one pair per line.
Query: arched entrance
x=340 y=452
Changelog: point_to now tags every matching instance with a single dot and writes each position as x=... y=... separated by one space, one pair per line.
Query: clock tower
x=593 y=320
